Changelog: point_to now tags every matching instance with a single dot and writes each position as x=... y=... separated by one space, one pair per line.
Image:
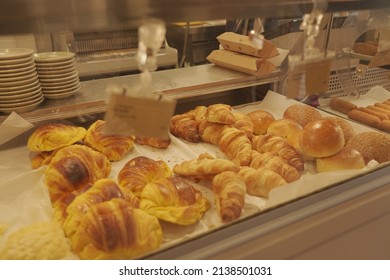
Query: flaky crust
x=236 y=145
x=185 y=127
x=153 y=142
x=244 y=123
x=210 y=132
x=220 y=113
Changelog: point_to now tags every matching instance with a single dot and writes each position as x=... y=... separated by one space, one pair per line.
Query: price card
x=139 y=115
x=382 y=57
x=308 y=77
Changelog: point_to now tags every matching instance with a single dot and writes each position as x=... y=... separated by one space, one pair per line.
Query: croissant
x=49 y=137
x=199 y=113
x=236 y=145
x=210 y=132
x=153 y=142
x=204 y=167
x=114 y=229
x=173 y=200
x=139 y=171
x=74 y=167
x=244 y=123
x=41 y=159
x=259 y=182
x=220 y=113
x=275 y=163
x=185 y=127
x=229 y=194
x=278 y=145
x=115 y=147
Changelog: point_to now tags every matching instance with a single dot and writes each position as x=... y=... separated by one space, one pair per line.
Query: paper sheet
x=13 y=126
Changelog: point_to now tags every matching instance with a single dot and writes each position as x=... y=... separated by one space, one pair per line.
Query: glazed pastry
x=220 y=113
x=139 y=171
x=244 y=123
x=229 y=193
x=210 y=132
x=259 y=182
x=236 y=145
x=49 y=137
x=275 y=163
x=153 y=142
x=115 y=230
x=73 y=168
x=115 y=147
x=173 y=200
x=204 y=167
x=278 y=145
x=185 y=127
x=41 y=159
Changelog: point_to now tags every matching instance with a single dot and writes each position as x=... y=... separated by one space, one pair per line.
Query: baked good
x=382 y=105
x=275 y=163
x=173 y=200
x=380 y=115
x=261 y=119
x=346 y=127
x=364 y=118
x=185 y=127
x=346 y=158
x=244 y=123
x=52 y=136
x=286 y=128
x=278 y=145
x=198 y=113
x=302 y=114
x=139 y=171
x=372 y=145
x=229 y=195
x=259 y=182
x=367 y=48
x=321 y=138
x=385 y=126
x=341 y=105
x=236 y=145
x=115 y=147
x=41 y=159
x=378 y=109
x=115 y=230
x=73 y=168
x=210 y=132
x=153 y=142
x=220 y=113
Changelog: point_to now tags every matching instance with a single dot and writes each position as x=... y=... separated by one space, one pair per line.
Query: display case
x=336 y=215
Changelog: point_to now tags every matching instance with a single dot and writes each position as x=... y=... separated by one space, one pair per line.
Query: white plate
x=18 y=74
x=61 y=94
x=13 y=53
x=55 y=88
x=70 y=65
x=26 y=81
x=59 y=80
x=16 y=61
x=58 y=85
x=10 y=90
x=15 y=71
x=21 y=91
x=17 y=66
x=21 y=103
x=53 y=56
x=58 y=76
x=26 y=75
x=34 y=96
x=22 y=109
x=29 y=93
x=54 y=64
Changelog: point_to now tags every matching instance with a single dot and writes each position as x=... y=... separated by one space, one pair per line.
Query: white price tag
x=134 y=114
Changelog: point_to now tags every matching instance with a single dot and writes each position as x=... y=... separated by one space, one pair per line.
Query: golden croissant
x=244 y=123
x=279 y=145
x=229 y=194
x=73 y=168
x=139 y=171
x=52 y=136
x=114 y=229
x=275 y=163
x=41 y=159
x=153 y=142
x=259 y=182
x=115 y=147
x=173 y=200
x=199 y=113
x=210 y=132
x=185 y=127
x=220 y=113
x=236 y=145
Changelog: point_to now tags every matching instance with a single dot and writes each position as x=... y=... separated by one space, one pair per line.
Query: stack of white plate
x=57 y=73
x=20 y=90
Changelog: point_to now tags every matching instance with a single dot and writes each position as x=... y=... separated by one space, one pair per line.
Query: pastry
x=153 y=142
x=236 y=145
x=364 y=118
x=302 y=114
x=220 y=113
x=244 y=123
x=210 y=132
x=286 y=128
x=261 y=120
x=341 y=105
x=347 y=158
x=185 y=127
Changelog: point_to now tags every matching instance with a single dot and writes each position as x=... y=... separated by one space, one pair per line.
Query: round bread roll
x=303 y=114
x=261 y=119
x=286 y=128
x=321 y=138
x=372 y=145
x=345 y=126
x=347 y=158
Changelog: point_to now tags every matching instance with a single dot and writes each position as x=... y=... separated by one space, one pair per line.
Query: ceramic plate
x=25 y=81
x=61 y=94
x=21 y=103
x=18 y=74
x=18 y=88
x=16 y=61
x=50 y=75
x=13 y=53
x=16 y=70
x=17 y=66
x=21 y=91
x=35 y=96
x=59 y=80
x=62 y=87
x=22 y=109
x=54 y=64
x=53 y=56
x=26 y=94
x=25 y=76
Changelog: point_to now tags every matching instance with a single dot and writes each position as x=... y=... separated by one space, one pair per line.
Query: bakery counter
x=197 y=82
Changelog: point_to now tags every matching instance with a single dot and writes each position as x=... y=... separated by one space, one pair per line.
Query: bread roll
x=380 y=115
x=372 y=145
x=286 y=128
x=366 y=48
x=347 y=158
x=303 y=114
x=345 y=126
x=321 y=138
x=364 y=118
x=385 y=125
x=261 y=120
x=341 y=105
x=377 y=109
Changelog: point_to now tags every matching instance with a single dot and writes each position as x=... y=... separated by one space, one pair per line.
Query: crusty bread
x=261 y=120
x=341 y=105
x=321 y=138
x=366 y=48
x=303 y=114
x=347 y=158
x=372 y=145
